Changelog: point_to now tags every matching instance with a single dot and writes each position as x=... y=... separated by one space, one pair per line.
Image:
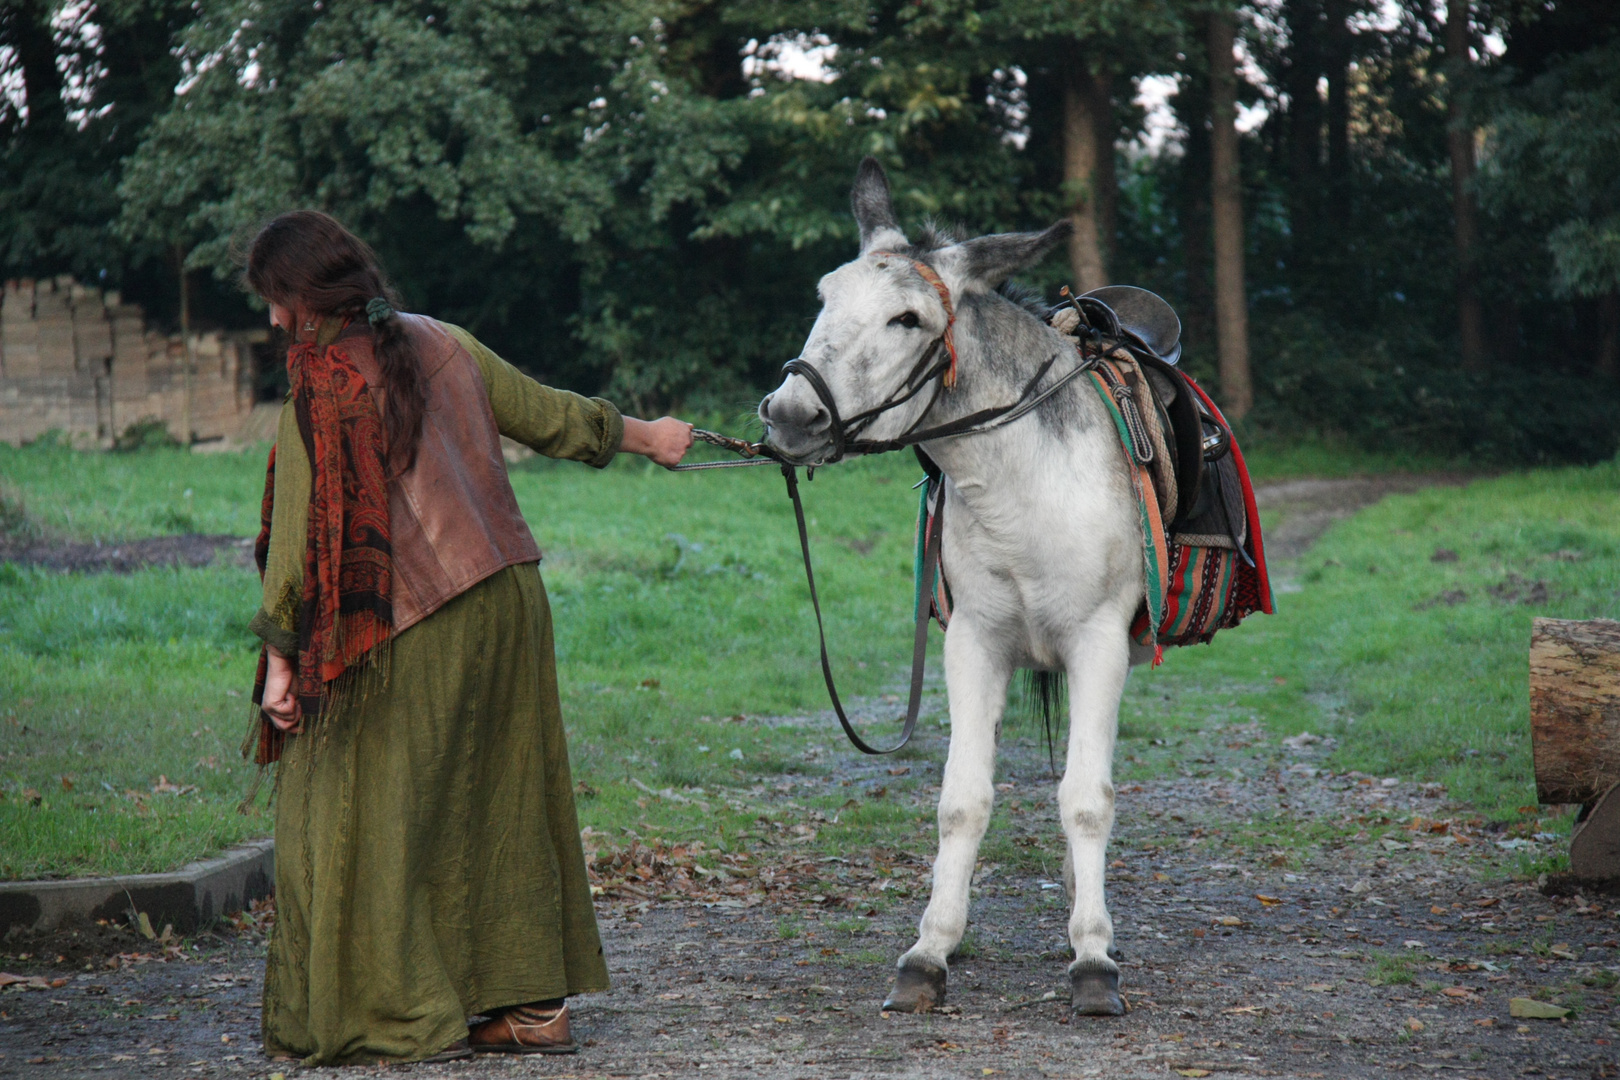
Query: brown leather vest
x=452 y=518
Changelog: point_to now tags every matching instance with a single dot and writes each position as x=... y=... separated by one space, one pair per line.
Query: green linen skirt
x=428 y=862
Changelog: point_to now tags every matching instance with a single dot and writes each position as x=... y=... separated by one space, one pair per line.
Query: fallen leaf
x=1268 y=901
x=1319 y=988
x=900 y=770
x=1489 y=901
x=1414 y=1025
x=1192 y=1072
x=1251 y=1009
x=1457 y=992
x=1157 y=876
x=1521 y=1008
x=1438 y=910
x=1489 y=1021
x=1563 y=951
x=1227 y=920
x=143 y=923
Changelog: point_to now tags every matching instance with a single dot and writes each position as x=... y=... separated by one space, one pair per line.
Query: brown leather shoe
x=525 y=1029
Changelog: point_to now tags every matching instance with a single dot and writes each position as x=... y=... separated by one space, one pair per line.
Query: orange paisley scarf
x=345 y=610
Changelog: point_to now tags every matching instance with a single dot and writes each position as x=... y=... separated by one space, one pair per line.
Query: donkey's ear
x=874 y=208
x=990 y=260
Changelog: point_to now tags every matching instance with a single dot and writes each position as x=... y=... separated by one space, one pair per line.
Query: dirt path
x=127 y=556
x=1308 y=508
x=1276 y=920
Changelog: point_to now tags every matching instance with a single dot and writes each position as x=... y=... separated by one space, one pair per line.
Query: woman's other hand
x=665 y=440
x=280 y=700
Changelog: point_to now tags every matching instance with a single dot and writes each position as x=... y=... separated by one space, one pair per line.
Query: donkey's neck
x=1000 y=347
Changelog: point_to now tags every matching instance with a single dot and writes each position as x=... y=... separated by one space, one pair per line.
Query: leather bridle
x=845 y=433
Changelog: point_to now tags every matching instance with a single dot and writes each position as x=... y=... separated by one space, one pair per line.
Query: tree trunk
x=1460 y=143
x=1304 y=130
x=1226 y=205
x=185 y=341
x=26 y=28
x=1192 y=107
x=1607 y=361
x=1089 y=182
x=1575 y=708
x=1338 y=112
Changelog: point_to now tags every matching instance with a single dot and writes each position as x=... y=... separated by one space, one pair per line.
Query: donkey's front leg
x=1097 y=673
x=976 y=680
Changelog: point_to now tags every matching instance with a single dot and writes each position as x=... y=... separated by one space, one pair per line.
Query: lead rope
x=752 y=453
x=760 y=454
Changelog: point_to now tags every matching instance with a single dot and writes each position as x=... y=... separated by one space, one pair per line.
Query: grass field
x=681 y=606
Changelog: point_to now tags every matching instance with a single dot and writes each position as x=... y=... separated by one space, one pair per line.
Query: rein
x=760 y=454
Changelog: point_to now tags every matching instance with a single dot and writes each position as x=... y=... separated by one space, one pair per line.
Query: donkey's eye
x=909 y=320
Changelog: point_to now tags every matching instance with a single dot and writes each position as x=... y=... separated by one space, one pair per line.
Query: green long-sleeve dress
x=428 y=861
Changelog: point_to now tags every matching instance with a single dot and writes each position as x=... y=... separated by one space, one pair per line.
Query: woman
x=428 y=863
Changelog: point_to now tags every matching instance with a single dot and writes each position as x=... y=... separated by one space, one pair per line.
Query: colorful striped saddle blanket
x=1204 y=559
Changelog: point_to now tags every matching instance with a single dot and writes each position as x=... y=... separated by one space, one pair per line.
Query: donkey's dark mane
x=1025 y=296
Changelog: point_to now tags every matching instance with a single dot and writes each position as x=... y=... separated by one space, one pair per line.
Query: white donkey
x=1041 y=541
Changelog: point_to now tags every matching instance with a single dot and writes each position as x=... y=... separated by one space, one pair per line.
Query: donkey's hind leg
x=976 y=680
x=1086 y=802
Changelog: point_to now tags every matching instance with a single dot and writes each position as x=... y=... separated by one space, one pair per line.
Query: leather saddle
x=1209 y=511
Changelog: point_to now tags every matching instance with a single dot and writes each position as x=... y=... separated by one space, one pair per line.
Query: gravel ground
x=1276 y=920
x=1355 y=953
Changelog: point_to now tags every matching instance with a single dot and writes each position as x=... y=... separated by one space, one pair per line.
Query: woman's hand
x=280 y=699
x=665 y=440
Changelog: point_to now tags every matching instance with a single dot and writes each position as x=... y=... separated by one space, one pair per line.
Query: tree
x=1226 y=208
x=1553 y=167
x=1460 y=147
x=91 y=78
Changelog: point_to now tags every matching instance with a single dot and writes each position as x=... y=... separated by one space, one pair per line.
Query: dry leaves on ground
x=644 y=871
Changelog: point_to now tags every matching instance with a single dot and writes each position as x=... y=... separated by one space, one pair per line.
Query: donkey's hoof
x=918 y=987
x=1094 y=991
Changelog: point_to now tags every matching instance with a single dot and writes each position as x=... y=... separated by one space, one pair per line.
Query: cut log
x=1575 y=708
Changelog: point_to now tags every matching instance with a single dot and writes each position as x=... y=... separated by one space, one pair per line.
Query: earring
x=309 y=325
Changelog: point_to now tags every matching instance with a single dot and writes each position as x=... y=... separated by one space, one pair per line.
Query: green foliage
x=1390 y=969
x=145 y=435
x=1379 y=395
x=637 y=197
x=1554 y=166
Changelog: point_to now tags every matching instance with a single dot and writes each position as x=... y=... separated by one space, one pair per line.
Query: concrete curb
x=190 y=897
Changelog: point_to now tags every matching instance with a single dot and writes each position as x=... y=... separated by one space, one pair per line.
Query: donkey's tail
x=1045 y=695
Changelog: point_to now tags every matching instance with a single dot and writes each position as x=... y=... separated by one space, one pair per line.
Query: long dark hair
x=308 y=262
